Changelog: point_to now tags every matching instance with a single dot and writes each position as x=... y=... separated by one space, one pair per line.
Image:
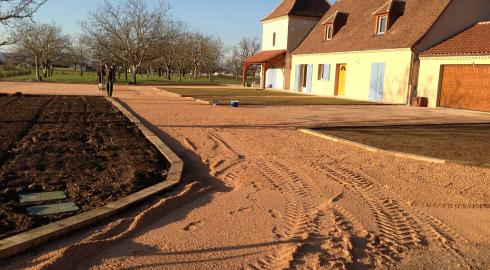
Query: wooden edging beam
x=28 y=240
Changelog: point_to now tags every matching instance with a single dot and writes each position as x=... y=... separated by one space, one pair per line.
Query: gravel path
x=261 y=195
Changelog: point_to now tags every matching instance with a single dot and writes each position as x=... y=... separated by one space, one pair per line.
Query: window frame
x=328 y=32
x=321 y=67
x=321 y=72
x=274 y=40
x=379 y=19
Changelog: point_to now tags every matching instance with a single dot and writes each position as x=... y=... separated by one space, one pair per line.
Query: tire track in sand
x=400 y=228
x=308 y=228
x=226 y=163
x=303 y=222
x=297 y=216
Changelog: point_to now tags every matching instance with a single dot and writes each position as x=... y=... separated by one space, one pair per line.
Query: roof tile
x=358 y=33
x=307 y=8
x=473 y=41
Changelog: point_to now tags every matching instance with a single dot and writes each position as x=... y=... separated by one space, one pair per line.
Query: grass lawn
x=469 y=142
x=222 y=96
x=72 y=76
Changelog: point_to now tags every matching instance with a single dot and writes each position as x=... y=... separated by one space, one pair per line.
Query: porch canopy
x=266 y=59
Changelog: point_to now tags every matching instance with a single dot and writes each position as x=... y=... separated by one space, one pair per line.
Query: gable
x=358 y=33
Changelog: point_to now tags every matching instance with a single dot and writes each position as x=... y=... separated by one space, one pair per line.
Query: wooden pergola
x=266 y=59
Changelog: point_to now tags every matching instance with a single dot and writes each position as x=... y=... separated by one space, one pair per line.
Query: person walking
x=100 y=77
x=109 y=78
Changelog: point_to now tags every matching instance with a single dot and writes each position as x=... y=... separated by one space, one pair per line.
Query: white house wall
x=358 y=78
x=277 y=81
x=430 y=68
x=279 y=26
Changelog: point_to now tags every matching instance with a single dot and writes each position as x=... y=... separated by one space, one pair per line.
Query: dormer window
x=388 y=14
x=328 y=32
x=382 y=25
x=334 y=23
x=274 y=40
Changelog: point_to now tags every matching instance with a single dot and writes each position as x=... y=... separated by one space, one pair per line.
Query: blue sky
x=229 y=19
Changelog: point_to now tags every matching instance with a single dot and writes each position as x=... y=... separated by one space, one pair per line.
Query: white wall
x=430 y=67
x=280 y=27
x=278 y=83
x=358 y=78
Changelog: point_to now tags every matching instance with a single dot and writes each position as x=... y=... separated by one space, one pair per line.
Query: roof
x=305 y=8
x=472 y=41
x=264 y=57
x=355 y=35
x=392 y=6
x=332 y=18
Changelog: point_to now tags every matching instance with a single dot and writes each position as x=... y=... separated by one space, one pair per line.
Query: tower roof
x=306 y=8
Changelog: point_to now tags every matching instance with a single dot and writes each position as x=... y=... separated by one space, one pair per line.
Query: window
x=324 y=72
x=274 y=40
x=328 y=32
x=382 y=24
x=304 y=75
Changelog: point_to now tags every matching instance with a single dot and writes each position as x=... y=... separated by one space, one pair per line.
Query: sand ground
x=258 y=194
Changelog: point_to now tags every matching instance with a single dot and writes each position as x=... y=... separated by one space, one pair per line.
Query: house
x=456 y=72
x=283 y=30
x=370 y=49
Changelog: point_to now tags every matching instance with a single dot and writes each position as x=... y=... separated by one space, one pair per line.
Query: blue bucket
x=234 y=103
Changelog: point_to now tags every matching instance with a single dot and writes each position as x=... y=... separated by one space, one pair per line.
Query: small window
x=328 y=32
x=274 y=40
x=382 y=24
x=324 y=72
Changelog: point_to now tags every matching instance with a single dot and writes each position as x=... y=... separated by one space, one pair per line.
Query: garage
x=456 y=72
x=465 y=87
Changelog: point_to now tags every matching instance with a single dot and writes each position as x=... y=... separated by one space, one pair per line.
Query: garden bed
x=80 y=146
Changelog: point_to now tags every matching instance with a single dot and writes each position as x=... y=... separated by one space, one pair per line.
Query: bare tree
x=13 y=10
x=213 y=51
x=78 y=53
x=233 y=63
x=245 y=48
x=181 y=53
x=42 y=42
x=126 y=31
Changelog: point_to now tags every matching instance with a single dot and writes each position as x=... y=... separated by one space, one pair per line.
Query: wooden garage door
x=465 y=87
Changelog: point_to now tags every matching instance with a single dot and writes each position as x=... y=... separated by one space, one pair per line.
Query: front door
x=341 y=73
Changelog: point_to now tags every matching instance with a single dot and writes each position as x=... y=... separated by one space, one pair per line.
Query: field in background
x=223 y=96
x=73 y=76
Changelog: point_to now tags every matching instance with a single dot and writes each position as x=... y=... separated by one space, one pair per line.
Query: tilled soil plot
x=79 y=145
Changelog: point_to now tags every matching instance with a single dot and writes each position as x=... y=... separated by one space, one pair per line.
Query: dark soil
x=80 y=145
x=465 y=142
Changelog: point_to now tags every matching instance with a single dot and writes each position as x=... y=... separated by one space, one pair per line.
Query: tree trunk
x=36 y=60
x=125 y=73
x=81 y=71
x=134 y=70
x=169 y=75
